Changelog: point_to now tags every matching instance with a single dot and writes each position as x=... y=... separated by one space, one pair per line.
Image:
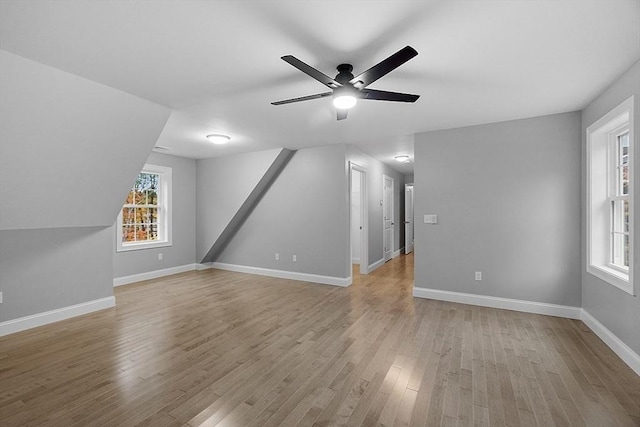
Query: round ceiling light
x=344 y=102
x=402 y=158
x=218 y=138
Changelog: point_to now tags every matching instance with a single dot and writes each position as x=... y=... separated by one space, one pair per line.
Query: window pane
x=626 y=250
x=625 y=180
x=153 y=215
x=620 y=248
x=139 y=198
x=153 y=232
x=128 y=233
x=128 y=215
x=625 y=216
x=152 y=197
x=130 y=198
x=141 y=233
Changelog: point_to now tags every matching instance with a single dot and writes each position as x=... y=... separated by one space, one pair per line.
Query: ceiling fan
x=347 y=89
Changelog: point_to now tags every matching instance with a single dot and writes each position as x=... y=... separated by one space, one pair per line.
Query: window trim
x=599 y=163
x=165 y=208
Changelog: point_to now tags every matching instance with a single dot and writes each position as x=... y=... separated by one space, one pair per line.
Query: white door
x=408 y=218
x=387 y=204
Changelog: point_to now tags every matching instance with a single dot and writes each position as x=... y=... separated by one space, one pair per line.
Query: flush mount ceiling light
x=402 y=158
x=218 y=138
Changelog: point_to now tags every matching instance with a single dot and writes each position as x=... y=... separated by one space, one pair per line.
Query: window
x=145 y=219
x=609 y=197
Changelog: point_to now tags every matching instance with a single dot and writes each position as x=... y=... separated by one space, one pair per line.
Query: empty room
x=319 y=213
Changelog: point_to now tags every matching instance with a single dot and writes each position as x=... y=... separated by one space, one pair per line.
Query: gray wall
x=69 y=150
x=222 y=186
x=507 y=196
x=183 y=248
x=616 y=310
x=47 y=269
x=375 y=170
x=305 y=212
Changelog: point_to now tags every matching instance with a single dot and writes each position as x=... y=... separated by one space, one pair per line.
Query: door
x=387 y=204
x=408 y=218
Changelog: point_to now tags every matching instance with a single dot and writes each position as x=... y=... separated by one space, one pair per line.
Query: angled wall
x=303 y=213
x=69 y=147
x=69 y=150
x=223 y=184
x=245 y=209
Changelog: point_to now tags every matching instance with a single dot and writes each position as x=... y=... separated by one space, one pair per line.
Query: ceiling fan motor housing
x=344 y=73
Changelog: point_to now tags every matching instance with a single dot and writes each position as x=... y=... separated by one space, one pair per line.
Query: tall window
x=145 y=218
x=610 y=197
x=619 y=198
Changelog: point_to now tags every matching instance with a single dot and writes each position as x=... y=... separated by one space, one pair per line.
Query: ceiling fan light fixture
x=218 y=138
x=344 y=101
x=402 y=158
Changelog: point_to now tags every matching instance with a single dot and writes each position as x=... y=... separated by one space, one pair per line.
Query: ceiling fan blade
x=342 y=114
x=312 y=72
x=382 y=95
x=303 y=98
x=384 y=67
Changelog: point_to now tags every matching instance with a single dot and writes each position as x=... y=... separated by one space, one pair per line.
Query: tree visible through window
x=140 y=211
x=145 y=218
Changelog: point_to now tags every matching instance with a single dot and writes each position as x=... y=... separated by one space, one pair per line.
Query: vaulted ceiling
x=217 y=63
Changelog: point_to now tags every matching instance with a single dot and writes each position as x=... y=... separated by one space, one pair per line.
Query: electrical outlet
x=295 y=258
x=160 y=257
x=0 y=297
x=277 y=256
x=478 y=275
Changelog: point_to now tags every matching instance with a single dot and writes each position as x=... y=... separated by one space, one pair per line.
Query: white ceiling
x=217 y=63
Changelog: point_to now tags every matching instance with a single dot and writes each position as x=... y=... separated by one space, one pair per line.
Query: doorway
x=387 y=203
x=408 y=218
x=359 y=218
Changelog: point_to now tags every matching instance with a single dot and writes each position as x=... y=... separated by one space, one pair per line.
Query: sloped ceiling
x=69 y=147
x=217 y=63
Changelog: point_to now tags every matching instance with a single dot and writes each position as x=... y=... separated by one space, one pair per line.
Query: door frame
x=413 y=225
x=364 y=218
x=392 y=219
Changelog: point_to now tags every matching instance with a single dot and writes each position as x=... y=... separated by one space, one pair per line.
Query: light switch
x=431 y=219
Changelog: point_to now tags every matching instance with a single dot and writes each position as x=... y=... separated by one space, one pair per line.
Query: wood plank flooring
x=216 y=348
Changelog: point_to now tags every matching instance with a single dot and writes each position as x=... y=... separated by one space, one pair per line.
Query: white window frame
x=602 y=190
x=164 y=213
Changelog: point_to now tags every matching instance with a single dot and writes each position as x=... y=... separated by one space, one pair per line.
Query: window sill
x=145 y=245
x=612 y=276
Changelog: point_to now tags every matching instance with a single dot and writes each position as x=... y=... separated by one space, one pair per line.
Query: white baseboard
x=397 y=253
x=376 y=265
x=621 y=349
x=41 y=319
x=355 y=261
x=498 y=302
x=304 y=277
x=125 y=280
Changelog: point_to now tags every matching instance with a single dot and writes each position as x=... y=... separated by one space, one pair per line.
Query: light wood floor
x=221 y=348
